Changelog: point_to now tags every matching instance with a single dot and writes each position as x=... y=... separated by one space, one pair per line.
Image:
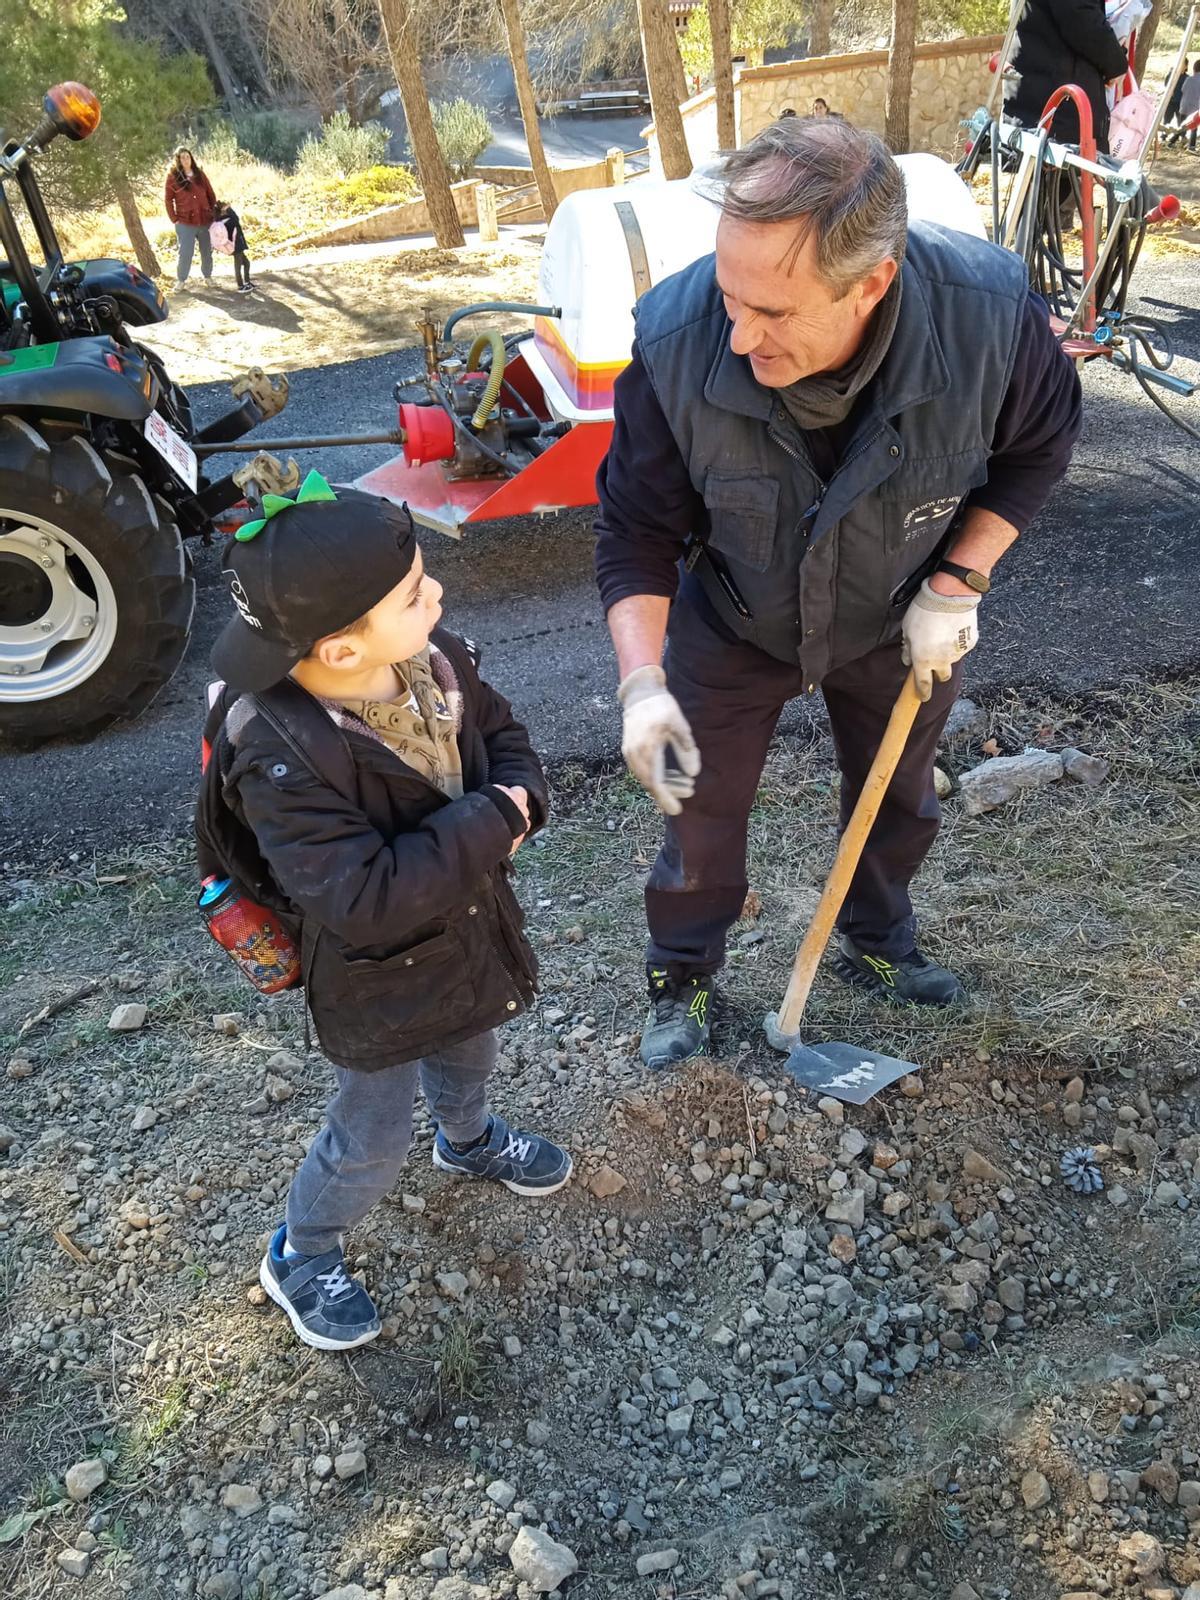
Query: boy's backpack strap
x=315 y=739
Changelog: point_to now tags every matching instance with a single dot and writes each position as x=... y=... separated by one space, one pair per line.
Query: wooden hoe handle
x=850 y=848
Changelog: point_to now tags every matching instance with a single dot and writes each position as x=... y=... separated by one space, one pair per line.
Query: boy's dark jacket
x=410 y=933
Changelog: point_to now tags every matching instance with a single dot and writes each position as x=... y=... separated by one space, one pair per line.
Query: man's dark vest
x=826 y=569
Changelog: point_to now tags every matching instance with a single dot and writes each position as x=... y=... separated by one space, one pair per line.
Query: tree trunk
x=683 y=89
x=422 y=136
x=525 y=97
x=820 y=16
x=900 y=74
x=216 y=55
x=142 y=248
x=722 y=54
x=661 y=55
x=261 y=71
x=1145 y=40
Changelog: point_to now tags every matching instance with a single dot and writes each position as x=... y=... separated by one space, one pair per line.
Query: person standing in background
x=191 y=206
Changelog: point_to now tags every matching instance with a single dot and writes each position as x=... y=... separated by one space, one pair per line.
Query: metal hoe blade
x=845 y=1071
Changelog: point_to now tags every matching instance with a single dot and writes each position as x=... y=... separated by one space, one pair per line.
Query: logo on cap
x=240 y=599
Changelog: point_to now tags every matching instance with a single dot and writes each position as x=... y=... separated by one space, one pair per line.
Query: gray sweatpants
x=355 y=1159
x=189 y=237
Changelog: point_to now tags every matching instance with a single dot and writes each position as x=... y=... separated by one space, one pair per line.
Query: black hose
x=455 y=317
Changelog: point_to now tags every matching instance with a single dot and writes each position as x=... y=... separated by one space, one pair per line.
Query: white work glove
x=939 y=629
x=653 y=721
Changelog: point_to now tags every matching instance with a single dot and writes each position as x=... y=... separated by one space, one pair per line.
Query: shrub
x=463 y=131
x=270 y=136
x=219 y=145
x=377 y=186
x=342 y=148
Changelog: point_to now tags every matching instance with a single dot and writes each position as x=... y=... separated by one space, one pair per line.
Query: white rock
x=436 y=1560
x=1035 y=1491
x=942 y=785
x=540 y=1562
x=453 y=1284
x=414 y=1204
x=849 y=1207
x=350 y=1464
x=511 y=1346
x=833 y=1109
x=993 y=783
x=347 y=1591
x=679 y=1422
x=1084 y=768
x=656 y=1561
x=74 y=1562
x=85 y=1477
x=7 y=1139
x=127 y=1018
x=503 y=1494
x=144 y=1117
x=241 y=1498
x=965 y=718
x=227 y=1024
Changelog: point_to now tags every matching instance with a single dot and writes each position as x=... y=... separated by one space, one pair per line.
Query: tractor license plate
x=175 y=450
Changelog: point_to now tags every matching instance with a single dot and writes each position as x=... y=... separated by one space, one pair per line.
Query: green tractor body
x=99 y=479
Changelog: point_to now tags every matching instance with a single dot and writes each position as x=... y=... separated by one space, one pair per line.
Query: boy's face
x=399 y=626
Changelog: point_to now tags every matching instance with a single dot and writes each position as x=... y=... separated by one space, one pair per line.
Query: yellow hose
x=493 y=341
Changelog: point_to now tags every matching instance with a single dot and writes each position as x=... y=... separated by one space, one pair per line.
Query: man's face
x=786 y=318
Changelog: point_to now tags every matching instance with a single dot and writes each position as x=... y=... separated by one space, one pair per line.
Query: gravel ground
x=760 y=1347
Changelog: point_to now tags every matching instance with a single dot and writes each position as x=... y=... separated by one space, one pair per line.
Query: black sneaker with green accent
x=910 y=980
x=680 y=1019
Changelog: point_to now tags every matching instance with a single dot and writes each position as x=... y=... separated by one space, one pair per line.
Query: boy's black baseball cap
x=310 y=569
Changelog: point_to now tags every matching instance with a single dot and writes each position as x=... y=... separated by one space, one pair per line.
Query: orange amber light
x=73 y=109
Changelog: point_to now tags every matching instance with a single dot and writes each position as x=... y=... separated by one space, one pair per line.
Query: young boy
x=232 y=223
x=410 y=934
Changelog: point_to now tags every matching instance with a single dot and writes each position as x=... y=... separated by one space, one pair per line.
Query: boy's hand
x=519 y=798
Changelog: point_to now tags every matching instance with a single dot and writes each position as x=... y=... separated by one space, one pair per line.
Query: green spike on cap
x=314 y=487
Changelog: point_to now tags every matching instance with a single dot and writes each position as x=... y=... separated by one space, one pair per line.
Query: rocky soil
x=759 y=1347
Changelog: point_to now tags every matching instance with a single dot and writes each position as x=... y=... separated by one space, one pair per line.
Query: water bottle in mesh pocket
x=253 y=936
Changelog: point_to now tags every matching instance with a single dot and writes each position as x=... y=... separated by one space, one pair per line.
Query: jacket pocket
x=419 y=991
x=743 y=514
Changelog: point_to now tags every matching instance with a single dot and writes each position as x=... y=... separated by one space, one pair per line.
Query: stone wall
x=950 y=80
x=393 y=222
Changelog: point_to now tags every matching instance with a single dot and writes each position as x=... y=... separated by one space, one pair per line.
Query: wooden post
x=485 y=200
x=614 y=161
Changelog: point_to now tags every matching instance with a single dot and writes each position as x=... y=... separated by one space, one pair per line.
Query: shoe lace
x=335 y=1282
x=517 y=1149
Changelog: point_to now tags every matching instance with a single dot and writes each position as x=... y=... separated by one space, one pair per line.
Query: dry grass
x=274 y=207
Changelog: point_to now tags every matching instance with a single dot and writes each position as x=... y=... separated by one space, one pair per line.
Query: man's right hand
x=653 y=720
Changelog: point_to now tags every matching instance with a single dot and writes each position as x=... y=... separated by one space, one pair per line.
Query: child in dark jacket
x=411 y=935
x=228 y=218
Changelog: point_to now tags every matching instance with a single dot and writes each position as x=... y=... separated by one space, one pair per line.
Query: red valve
x=1166 y=210
x=428 y=434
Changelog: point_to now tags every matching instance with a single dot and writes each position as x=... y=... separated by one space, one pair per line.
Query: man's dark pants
x=732 y=694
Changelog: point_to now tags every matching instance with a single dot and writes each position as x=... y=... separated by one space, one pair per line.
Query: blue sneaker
x=523 y=1162
x=325 y=1306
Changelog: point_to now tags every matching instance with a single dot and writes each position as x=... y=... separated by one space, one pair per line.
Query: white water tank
x=588 y=269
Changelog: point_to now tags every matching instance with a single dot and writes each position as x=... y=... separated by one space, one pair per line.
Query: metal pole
x=253 y=446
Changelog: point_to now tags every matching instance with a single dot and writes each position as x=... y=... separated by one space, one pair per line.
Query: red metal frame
x=1087 y=215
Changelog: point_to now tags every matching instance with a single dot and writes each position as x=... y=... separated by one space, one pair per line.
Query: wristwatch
x=968 y=575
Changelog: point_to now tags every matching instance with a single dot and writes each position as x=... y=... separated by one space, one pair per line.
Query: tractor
x=99 y=478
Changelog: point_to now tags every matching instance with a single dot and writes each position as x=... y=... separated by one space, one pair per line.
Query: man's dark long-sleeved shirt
x=649 y=506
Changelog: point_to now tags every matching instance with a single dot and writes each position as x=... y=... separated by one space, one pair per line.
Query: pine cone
x=1080 y=1171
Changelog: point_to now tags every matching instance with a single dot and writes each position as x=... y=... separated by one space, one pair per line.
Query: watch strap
x=968 y=575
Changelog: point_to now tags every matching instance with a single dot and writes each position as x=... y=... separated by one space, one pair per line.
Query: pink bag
x=219 y=234
x=1129 y=124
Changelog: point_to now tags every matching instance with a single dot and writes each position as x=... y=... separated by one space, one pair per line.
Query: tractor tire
x=96 y=599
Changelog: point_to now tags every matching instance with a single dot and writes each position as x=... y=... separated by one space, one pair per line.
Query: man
x=839 y=432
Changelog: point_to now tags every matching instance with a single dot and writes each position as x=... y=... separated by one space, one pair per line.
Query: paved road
x=1103 y=588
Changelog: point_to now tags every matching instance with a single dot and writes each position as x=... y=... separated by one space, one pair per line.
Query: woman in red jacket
x=190 y=205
